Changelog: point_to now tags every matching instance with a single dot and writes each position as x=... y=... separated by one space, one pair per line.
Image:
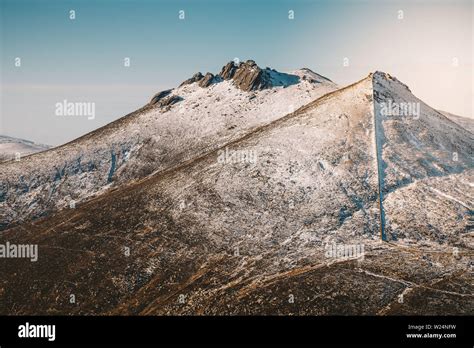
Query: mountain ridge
x=141 y=112
x=10 y=147
x=239 y=238
x=144 y=141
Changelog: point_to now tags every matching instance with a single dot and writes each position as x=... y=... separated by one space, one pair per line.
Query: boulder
x=158 y=96
x=250 y=77
x=207 y=80
x=196 y=77
x=228 y=70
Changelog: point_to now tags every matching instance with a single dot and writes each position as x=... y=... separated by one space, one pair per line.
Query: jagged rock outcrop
x=196 y=77
x=248 y=76
x=165 y=98
x=228 y=70
x=159 y=96
x=208 y=80
x=173 y=99
x=203 y=81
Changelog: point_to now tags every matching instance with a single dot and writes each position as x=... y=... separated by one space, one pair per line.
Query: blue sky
x=82 y=59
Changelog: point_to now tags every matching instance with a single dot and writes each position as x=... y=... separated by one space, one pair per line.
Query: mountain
x=177 y=125
x=255 y=223
x=465 y=122
x=10 y=147
x=426 y=161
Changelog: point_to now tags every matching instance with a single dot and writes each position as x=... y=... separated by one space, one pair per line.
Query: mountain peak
x=311 y=76
x=382 y=78
x=248 y=76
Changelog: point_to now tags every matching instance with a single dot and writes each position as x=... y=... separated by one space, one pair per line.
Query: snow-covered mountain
x=465 y=122
x=176 y=126
x=242 y=226
x=11 y=148
x=425 y=161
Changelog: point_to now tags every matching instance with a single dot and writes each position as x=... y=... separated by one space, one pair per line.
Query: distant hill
x=10 y=146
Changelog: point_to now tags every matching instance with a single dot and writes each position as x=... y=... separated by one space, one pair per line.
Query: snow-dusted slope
x=186 y=122
x=244 y=228
x=465 y=122
x=426 y=158
x=10 y=147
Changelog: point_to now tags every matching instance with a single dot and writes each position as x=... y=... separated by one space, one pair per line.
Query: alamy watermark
x=345 y=251
x=11 y=251
x=227 y=156
x=66 y=108
x=402 y=109
x=37 y=331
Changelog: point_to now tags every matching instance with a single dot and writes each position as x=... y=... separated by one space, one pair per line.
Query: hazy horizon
x=81 y=60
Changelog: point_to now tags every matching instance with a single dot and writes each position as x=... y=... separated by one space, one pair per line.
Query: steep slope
x=465 y=122
x=177 y=125
x=244 y=229
x=10 y=147
x=426 y=167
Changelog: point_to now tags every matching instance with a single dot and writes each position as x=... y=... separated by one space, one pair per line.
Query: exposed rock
x=228 y=71
x=204 y=81
x=250 y=77
x=157 y=97
x=165 y=99
x=207 y=80
x=309 y=79
x=171 y=100
x=196 y=77
x=247 y=76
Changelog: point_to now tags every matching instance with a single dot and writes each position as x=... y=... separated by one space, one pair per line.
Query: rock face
x=196 y=78
x=208 y=80
x=159 y=96
x=165 y=99
x=228 y=70
x=248 y=76
x=203 y=81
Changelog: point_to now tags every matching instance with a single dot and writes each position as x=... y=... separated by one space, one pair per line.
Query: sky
x=428 y=45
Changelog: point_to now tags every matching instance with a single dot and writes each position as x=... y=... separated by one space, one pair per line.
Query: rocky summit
x=247 y=76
